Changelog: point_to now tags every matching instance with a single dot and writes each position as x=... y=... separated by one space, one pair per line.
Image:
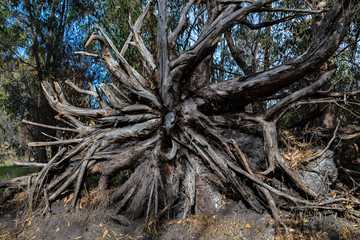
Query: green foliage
x=37 y=41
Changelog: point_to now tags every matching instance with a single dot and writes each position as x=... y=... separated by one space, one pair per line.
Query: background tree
x=37 y=44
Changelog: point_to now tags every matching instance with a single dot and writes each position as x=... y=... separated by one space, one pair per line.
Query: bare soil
x=233 y=221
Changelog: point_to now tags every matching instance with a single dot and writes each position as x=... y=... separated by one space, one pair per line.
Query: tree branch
x=50 y=127
x=173 y=36
x=267 y=24
x=210 y=37
x=55 y=143
x=268 y=82
x=91 y=93
x=145 y=53
x=167 y=88
x=135 y=76
x=236 y=55
x=130 y=78
x=66 y=108
x=292 y=10
x=137 y=26
x=325 y=77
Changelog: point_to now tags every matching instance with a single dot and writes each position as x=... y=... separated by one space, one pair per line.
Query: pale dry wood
x=167 y=86
x=91 y=93
x=113 y=99
x=28 y=164
x=15 y=182
x=217 y=163
x=39 y=181
x=49 y=126
x=70 y=178
x=87 y=54
x=123 y=159
x=55 y=143
x=137 y=26
x=120 y=92
x=131 y=79
x=183 y=21
x=351 y=136
x=192 y=169
x=135 y=78
x=269 y=198
x=145 y=53
x=175 y=163
x=129 y=118
x=67 y=109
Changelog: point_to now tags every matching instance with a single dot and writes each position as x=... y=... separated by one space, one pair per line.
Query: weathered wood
x=50 y=127
x=15 y=182
x=68 y=109
x=28 y=164
x=91 y=93
x=167 y=85
x=266 y=83
x=55 y=143
x=137 y=26
x=115 y=101
x=183 y=22
x=40 y=178
x=145 y=53
x=206 y=41
x=125 y=159
x=306 y=91
x=129 y=118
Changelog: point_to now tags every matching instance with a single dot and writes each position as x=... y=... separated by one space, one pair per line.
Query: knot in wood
x=170 y=120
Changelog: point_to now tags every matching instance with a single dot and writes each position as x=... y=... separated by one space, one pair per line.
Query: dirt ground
x=233 y=221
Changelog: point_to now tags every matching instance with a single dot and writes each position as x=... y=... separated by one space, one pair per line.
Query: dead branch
x=50 y=127
x=28 y=164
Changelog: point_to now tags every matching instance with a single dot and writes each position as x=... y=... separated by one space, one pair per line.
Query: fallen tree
x=170 y=127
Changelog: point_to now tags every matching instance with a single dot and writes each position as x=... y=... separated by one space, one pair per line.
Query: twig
x=50 y=127
x=242 y=157
x=327 y=146
x=182 y=23
x=323 y=183
x=47 y=203
x=309 y=4
x=292 y=10
x=49 y=136
x=92 y=93
x=61 y=142
x=87 y=54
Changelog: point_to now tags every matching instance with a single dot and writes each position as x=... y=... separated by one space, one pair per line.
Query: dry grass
x=296 y=152
x=221 y=228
